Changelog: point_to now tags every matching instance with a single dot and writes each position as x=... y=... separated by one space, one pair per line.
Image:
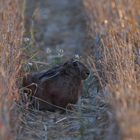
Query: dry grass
x=115 y=60
x=116 y=26
x=10 y=42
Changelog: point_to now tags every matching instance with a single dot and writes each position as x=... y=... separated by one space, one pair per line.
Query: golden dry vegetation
x=118 y=25
x=10 y=61
x=114 y=32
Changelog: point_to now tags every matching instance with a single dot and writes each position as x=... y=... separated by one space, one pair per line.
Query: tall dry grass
x=10 y=52
x=115 y=25
x=114 y=29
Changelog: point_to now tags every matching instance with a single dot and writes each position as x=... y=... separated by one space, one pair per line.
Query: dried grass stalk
x=116 y=25
x=10 y=62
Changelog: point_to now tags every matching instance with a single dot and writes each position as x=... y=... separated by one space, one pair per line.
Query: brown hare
x=57 y=87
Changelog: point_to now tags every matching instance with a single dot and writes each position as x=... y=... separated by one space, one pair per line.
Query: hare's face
x=83 y=70
x=76 y=68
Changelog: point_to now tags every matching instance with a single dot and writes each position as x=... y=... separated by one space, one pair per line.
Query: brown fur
x=60 y=86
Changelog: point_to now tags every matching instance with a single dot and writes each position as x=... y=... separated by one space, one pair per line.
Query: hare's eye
x=75 y=64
